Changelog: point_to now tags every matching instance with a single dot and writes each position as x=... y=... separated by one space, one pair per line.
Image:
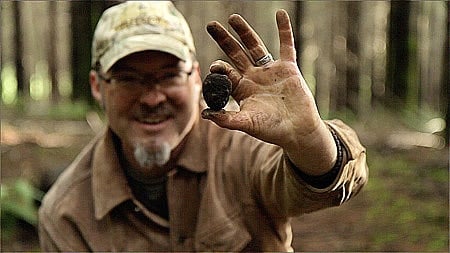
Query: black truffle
x=216 y=90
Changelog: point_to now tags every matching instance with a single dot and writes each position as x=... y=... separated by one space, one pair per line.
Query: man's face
x=151 y=101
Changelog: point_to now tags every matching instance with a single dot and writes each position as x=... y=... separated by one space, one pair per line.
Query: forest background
x=382 y=67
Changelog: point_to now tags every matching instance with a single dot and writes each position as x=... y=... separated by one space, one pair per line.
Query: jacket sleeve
x=285 y=193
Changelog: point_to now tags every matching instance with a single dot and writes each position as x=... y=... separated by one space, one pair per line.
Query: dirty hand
x=275 y=102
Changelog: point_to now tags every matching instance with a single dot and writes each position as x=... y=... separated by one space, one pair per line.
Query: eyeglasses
x=171 y=78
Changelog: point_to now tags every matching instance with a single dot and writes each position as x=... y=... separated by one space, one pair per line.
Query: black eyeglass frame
x=154 y=80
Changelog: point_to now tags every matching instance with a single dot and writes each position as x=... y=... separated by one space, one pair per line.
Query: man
x=161 y=178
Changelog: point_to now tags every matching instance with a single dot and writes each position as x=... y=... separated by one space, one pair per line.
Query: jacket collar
x=110 y=186
x=194 y=155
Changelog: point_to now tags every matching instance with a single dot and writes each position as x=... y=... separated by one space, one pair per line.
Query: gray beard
x=156 y=155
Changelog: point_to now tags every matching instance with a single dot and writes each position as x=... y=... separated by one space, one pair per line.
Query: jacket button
x=137 y=209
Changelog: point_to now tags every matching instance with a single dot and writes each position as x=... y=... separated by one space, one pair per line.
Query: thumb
x=228 y=119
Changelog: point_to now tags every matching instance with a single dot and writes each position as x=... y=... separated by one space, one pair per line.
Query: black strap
x=325 y=180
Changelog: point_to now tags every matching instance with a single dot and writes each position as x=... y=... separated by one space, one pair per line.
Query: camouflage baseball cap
x=138 y=26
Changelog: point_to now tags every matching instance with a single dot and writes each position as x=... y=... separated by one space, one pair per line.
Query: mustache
x=145 y=111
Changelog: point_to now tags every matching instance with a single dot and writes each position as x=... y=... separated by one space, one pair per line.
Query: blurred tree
x=85 y=15
x=52 y=52
x=351 y=53
x=81 y=44
x=341 y=23
x=297 y=23
x=352 y=61
x=446 y=79
x=22 y=83
x=398 y=52
x=325 y=68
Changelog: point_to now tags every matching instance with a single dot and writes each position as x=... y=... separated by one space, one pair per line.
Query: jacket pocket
x=227 y=235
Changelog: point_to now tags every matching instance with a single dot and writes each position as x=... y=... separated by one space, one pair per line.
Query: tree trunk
x=338 y=86
x=326 y=69
x=85 y=15
x=22 y=85
x=53 y=55
x=446 y=79
x=353 y=33
x=297 y=23
x=398 y=55
x=81 y=39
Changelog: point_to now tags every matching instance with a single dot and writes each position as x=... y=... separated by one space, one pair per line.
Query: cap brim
x=138 y=43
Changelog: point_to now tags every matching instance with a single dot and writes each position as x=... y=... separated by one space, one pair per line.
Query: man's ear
x=96 y=91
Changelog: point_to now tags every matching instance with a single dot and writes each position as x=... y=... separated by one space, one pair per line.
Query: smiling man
x=151 y=102
x=170 y=175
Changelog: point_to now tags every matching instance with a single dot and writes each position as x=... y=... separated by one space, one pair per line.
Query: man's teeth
x=153 y=120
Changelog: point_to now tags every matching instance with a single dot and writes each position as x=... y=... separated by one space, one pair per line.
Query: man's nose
x=153 y=95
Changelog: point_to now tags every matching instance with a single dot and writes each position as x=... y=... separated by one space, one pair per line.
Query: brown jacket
x=228 y=192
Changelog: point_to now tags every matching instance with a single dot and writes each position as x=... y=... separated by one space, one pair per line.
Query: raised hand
x=275 y=102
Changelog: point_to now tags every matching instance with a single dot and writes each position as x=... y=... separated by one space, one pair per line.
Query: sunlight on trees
x=9 y=84
x=40 y=82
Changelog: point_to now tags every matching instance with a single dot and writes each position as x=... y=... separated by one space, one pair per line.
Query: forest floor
x=404 y=207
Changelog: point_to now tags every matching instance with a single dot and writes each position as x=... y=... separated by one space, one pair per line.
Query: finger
x=249 y=37
x=287 y=46
x=229 y=45
x=235 y=77
x=228 y=119
x=225 y=68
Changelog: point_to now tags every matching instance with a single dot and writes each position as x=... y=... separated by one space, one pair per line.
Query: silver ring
x=264 y=60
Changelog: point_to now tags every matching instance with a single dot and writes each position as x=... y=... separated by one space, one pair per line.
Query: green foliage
x=19 y=202
x=409 y=200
